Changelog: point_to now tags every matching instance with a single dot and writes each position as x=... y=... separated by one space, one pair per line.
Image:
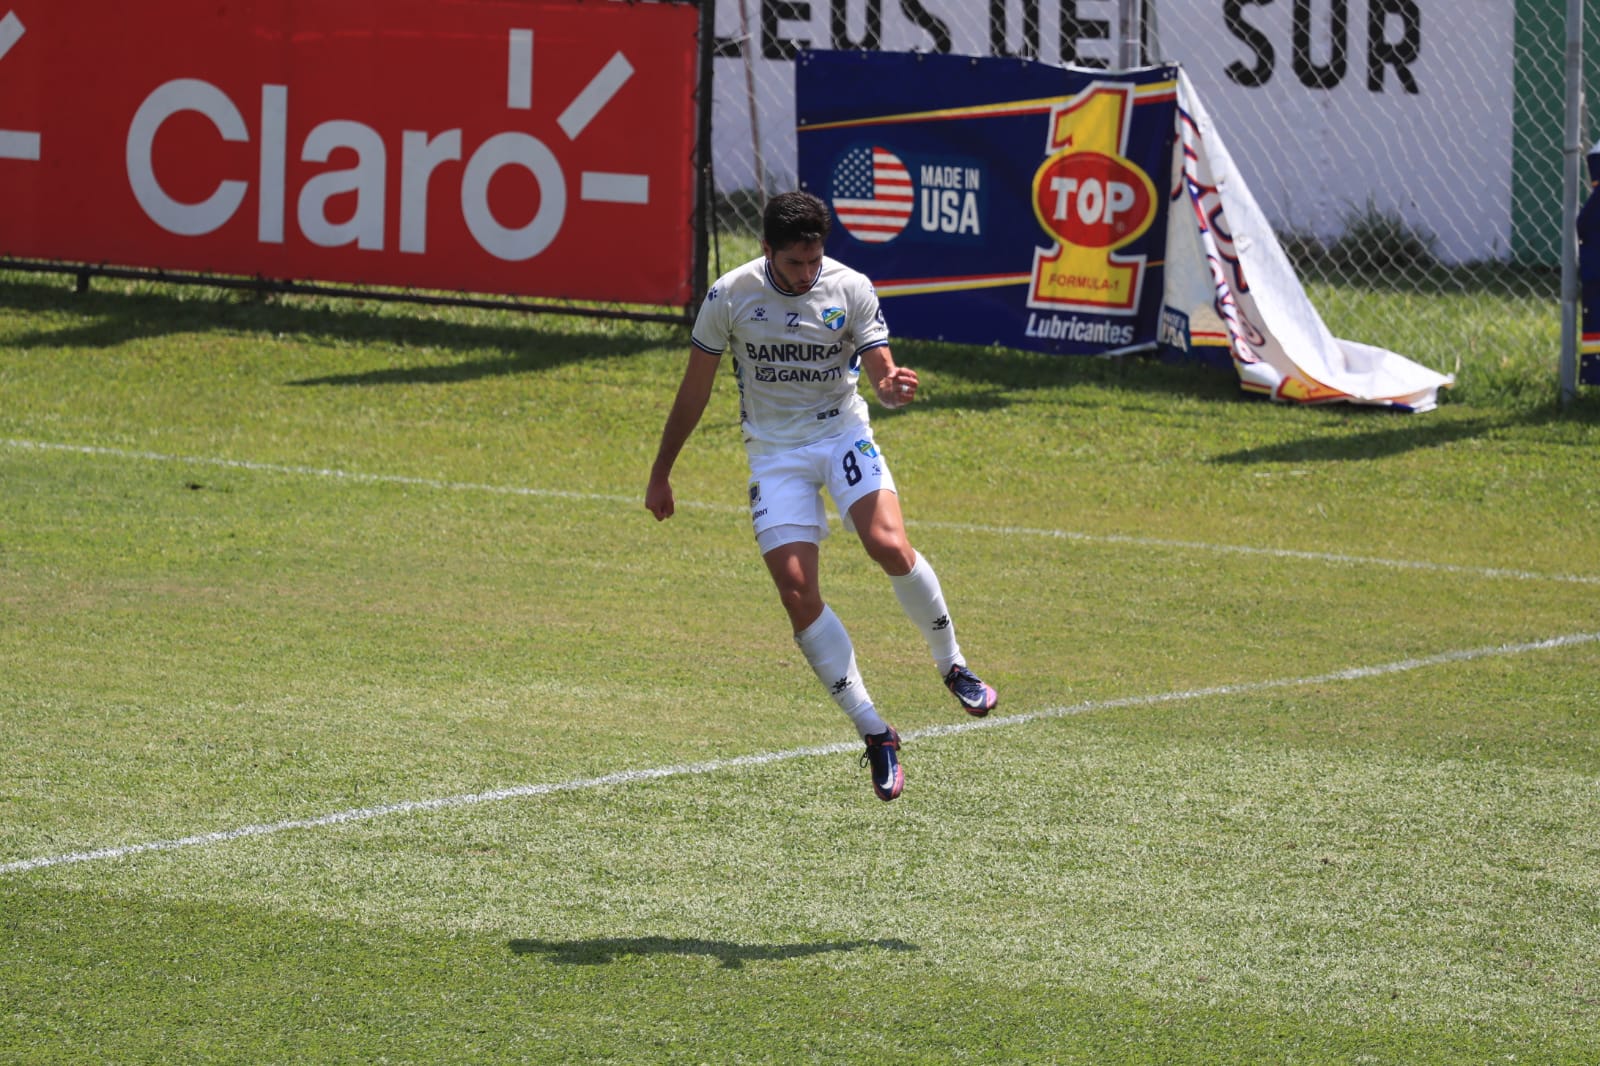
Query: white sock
x=919 y=594
x=827 y=647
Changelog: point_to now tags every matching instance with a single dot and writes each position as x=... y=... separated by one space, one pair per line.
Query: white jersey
x=797 y=357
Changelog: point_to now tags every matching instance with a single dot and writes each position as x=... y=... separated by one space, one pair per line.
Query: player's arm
x=895 y=385
x=693 y=394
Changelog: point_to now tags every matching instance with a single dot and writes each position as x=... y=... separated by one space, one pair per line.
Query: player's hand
x=898 y=387
x=658 y=499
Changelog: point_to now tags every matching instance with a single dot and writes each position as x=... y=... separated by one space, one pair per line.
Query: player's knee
x=799 y=598
x=891 y=550
x=802 y=610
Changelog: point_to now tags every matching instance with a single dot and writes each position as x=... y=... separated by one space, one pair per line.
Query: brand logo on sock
x=942 y=622
x=840 y=685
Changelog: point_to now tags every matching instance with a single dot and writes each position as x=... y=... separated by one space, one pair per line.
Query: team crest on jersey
x=833 y=318
x=867 y=448
x=755 y=493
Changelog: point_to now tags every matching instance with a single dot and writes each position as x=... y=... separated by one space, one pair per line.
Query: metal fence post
x=1130 y=17
x=1571 y=194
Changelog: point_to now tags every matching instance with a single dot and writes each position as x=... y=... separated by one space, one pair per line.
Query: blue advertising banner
x=995 y=200
x=1589 y=273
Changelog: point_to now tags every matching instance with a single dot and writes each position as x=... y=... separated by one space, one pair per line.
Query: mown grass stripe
x=629 y=777
x=1335 y=558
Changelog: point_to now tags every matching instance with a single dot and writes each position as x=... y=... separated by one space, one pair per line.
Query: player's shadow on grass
x=603 y=950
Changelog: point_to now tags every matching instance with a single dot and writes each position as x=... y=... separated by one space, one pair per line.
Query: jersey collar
x=772 y=279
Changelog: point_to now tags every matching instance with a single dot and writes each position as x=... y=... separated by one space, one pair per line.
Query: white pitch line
x=1274 y=553
x=629 y=777
x=960 y=527
x=327 y=472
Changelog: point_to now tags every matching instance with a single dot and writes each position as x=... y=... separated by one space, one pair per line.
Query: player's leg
x=826 y=644
x=876 y=517
x=789 y=522
x=882 y=528
x=820 y=635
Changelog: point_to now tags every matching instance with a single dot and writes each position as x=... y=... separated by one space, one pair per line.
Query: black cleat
x=977 y=698
x=882 y=755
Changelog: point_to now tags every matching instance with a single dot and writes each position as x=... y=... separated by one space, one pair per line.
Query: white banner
x=1355 y=102
x=1230 y=287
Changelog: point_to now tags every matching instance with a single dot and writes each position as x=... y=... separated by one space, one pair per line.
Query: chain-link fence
x=1408 y=152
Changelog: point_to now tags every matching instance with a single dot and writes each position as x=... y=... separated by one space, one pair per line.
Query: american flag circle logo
x=872 y=194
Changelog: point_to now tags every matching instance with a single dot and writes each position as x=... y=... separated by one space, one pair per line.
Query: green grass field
x=355 y=710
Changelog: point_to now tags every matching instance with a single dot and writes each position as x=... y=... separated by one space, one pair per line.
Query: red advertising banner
x=526 y=147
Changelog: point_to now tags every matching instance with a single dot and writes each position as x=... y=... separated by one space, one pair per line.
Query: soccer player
x=800 y=327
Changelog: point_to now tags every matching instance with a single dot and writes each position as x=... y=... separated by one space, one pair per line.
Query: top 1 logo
x=1091 y=201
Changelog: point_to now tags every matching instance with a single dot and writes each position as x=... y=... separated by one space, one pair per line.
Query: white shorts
x=785 y=489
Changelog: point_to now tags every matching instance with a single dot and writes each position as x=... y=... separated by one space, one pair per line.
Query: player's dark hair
x=794 y=217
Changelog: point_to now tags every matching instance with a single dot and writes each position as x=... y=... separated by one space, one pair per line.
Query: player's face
x=797 y=266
